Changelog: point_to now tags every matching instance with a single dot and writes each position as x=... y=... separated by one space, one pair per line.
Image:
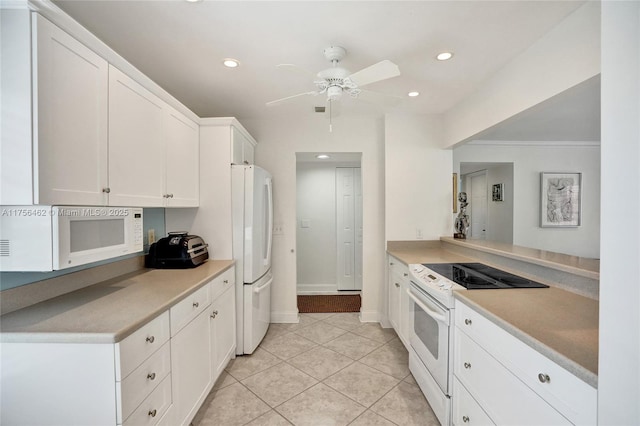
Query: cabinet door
x=190 y=367
x=71 y=114
x=181 y=140
x=136 y=151
x=395 y=287
x=223 y=330
x=241 y=148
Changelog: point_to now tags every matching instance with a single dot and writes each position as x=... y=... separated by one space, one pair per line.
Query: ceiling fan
x=335 y=81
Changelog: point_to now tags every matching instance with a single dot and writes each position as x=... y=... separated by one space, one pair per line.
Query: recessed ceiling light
x=231 y=63
x=413 y=94
x=193 y=1
x=444 y=56
x=322 y=156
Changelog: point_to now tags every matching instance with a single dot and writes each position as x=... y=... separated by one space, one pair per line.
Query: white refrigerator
x=252 y=212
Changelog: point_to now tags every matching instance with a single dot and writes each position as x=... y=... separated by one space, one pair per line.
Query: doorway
x=329 y=224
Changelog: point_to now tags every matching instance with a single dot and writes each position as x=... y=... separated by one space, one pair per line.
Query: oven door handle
x=433 y=314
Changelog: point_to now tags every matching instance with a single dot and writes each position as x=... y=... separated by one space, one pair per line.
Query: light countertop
x=109 y=311
x=560 y=324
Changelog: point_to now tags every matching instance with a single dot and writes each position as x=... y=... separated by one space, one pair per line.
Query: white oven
x=430 y=337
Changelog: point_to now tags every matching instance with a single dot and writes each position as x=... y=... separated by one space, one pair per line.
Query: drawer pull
x=106 y=190
x=467 y=321
x=405 y=274
x=151 y=339
x=196 y=304
x=544 y=378
x=226 y=281
x=153 y=413
x=467 y=365
x=213 y=314
x=397 y=285
x=151 y=376
x=465 y=419
x=391 y=263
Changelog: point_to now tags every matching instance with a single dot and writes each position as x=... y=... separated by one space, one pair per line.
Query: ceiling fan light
x=231 y=63
x=413 y=94
x=444 y=56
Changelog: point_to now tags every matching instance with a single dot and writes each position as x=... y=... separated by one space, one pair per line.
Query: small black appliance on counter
x=178 y=250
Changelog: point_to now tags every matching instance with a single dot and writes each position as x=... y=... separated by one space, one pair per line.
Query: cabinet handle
x=151 y=339
x=153 y=413
x=391 y=263
x=170 y=195
x=405 y=274
x=151 y=376
x=544 y=378
x=467 y=321
x=213 y=314
x=226 y=281
x=106 y=190
x=397 y=285
x=246 y=162
x=465 y=419
x=467 y=365
x=196 y=304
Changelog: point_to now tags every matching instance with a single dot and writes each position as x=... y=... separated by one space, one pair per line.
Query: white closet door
x=349 y=228
x=478 y=205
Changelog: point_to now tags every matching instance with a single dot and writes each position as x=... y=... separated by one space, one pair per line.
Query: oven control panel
x=434 y=284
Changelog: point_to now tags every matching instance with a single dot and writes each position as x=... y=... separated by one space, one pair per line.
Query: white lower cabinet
x=510 y=382
x=223 y=323
x=466 y=410
x=191 y=368
x=398 y=310
x=158 y=375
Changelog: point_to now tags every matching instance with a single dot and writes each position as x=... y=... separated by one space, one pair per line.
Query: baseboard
x=369 y=316
x=303 y=289
x=290 y=317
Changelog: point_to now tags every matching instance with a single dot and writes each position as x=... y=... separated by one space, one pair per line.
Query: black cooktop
x=476 y=276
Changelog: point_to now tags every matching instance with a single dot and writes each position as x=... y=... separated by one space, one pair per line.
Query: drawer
x=466 y=411
x=134 y=349
x=187 y=309
x=153 y=408
x=504 y=397
x=142 y=381
x=574 y=398
x=222 y=282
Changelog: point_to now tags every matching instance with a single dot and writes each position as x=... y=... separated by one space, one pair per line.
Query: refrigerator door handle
x=263 y=287
x=269 y=227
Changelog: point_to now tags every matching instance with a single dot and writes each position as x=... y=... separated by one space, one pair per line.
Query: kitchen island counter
x=109 y=311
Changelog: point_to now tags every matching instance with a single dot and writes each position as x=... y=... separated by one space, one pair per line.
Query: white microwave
x=48 y=238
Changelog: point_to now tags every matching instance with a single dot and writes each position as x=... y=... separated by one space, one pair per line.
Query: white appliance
x=48 y=238
x=252 y=211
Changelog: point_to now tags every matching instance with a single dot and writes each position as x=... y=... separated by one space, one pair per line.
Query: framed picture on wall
x=560 y=199
x=497 y=190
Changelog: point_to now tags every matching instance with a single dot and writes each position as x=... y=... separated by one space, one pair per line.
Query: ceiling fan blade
x=376 y=72
x=297 y=69
x=277 y=101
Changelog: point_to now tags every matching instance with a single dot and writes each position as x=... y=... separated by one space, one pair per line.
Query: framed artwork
x=496 y=192
x=560 y=199
x=455 y=193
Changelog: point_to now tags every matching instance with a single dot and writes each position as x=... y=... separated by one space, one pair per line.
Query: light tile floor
x=329 y=369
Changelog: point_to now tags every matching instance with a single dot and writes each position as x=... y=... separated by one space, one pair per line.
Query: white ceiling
x=181 y=45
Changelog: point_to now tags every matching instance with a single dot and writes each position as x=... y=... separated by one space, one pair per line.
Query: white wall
x=528 y=161
x=316 y=243
x=418 y=184
x=279 y=139
x=619 y=369
x=564 y=57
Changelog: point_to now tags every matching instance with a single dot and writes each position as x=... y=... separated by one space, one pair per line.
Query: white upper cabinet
x=241 y=148
x=71 y=115
x=78 y=131
x=182 y=141
x=136 y=151
x=65 y=160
